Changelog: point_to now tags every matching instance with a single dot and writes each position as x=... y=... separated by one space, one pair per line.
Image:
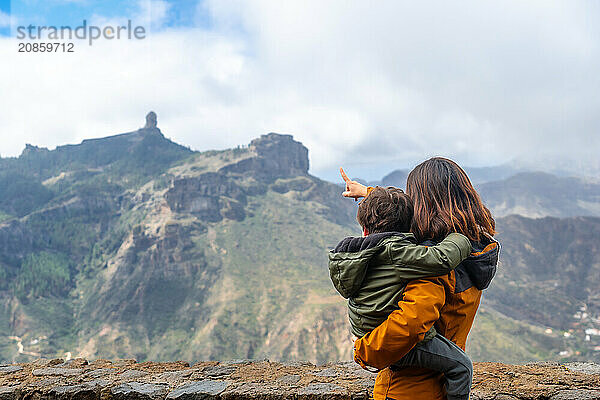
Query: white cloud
x=4 y=20
x=383 y=84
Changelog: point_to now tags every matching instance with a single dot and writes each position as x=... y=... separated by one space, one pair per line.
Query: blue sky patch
x=184 y=13
x=67 y=12
x=4 y=13
x=180 y=13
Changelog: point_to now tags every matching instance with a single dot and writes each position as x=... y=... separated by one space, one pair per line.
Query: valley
x=133 y=246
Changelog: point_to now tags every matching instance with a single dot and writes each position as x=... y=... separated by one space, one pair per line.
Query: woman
x=445 y=201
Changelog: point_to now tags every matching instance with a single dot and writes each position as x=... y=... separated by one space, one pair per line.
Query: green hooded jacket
x=372 y=271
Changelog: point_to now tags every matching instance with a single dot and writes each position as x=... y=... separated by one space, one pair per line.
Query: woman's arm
x=404 y=328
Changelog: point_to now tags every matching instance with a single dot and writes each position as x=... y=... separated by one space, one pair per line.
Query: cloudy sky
x=372 y=86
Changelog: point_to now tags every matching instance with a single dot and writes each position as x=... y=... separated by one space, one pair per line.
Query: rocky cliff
x=132 y=246
x=243 y=379
x=145 y=249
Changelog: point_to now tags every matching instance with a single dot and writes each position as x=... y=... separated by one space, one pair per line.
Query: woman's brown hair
x=445 y=201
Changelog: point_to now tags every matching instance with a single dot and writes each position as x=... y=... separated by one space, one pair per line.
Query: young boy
x=372 y=272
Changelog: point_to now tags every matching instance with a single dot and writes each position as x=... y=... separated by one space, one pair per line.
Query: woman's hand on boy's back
x=353 y=189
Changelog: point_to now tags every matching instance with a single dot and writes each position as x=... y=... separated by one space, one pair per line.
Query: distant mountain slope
x=209 y=258
x=138 y=247
x=560 y=257
x=549 y=278
x=29 y=182
x=479 y=175
x=538 y=194
x=225 y=263
x=395 y=178
x=531 y=194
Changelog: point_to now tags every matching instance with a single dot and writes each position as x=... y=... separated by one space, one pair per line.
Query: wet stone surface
x=328 y=372
x=581 y=394
x=329 y=390
x=98 y=373
x=9 y=369
x=89 y=390
x=263 y=380
x=584 y=367
x=198 y=390
x=174 y=376
x=139 y=391
x=289 y=379
x=8 y=393
x=257 y=391
x=57 y=371
x=132 y=374
x=218 y=370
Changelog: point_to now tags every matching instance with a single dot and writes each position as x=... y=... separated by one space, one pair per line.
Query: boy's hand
x=353 y=188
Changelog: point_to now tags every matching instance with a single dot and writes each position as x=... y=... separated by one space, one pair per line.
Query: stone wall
x=128 y=380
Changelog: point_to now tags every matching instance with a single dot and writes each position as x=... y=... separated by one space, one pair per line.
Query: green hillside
x=132 y=246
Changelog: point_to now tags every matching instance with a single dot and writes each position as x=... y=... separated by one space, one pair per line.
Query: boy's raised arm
x=417 y=261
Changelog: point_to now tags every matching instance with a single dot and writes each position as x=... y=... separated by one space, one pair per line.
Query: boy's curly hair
x=385 y=210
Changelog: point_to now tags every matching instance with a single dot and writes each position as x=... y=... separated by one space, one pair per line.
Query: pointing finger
x=344 y=176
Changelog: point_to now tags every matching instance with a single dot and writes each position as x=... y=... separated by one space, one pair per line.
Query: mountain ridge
x=222 y=255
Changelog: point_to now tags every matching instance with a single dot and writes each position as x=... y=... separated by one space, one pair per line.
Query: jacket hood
x=480 y=266
x=349 y=261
